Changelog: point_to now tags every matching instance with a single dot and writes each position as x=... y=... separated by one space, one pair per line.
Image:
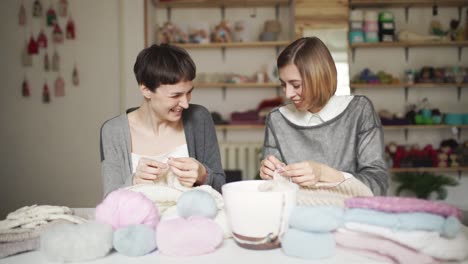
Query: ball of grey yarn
x=135 y=240
x=196 y=203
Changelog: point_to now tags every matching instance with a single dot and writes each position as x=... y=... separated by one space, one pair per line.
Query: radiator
x=243 y=156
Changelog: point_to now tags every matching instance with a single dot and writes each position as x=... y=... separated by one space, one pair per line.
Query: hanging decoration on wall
x=25 y=88
x=62 y=8
x=59 y=88
x=75 y=77
x=57 y=34
x=26 y=58
x=45 y=93
x=22 y=15
x=51 y=17
x=37 y=8
x=33 y=47
x=70 y=29
x=46 y=62
x=55 y=61
x=42 y=39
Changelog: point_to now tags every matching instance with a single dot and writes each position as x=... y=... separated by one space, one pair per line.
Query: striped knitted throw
x=333 y=196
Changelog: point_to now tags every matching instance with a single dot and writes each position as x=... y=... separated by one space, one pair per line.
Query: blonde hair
x=316 y=67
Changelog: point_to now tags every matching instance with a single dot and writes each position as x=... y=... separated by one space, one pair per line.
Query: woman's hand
x=309 y=173
x=148 y=170
x=269 y=165
x=188 y=170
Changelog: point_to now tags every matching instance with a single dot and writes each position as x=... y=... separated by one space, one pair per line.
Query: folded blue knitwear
x=448 y=227
x=135 y=240
x=316 y=218
x=308 y=245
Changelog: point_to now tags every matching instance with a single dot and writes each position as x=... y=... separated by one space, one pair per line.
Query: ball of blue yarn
x=135 y=240
x=196 y=203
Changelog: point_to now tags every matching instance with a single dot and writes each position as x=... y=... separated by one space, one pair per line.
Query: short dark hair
x=317 y=68
x=163 y=64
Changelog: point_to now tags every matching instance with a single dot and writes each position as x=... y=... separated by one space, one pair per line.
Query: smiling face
x=169 y=100
x=292 y=84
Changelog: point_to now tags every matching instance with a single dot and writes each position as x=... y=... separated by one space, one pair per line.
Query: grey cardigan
x=351 y=142
x=116 y=148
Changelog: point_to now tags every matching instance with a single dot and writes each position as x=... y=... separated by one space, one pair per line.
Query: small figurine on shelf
x=426 y=75
x=198 y=36
x=45 y=94
x=59 y=87
x=170 y=33
x=221 y=33
x=55 y=61
x=75 y=77
x=46 y=62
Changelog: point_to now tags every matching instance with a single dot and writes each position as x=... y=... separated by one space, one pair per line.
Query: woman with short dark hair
x=165 y=134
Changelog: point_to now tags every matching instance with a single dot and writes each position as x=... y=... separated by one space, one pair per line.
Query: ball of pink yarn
x=124 y=207
x=193 y=236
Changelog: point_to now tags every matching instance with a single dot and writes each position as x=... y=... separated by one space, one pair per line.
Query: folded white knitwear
x=165 y=198
x=429 y=243
x=36 y=215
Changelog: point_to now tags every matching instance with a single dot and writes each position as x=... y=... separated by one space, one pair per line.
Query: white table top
x=228 y=253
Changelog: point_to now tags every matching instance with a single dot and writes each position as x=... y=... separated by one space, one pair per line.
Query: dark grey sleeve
x=269 y=142
x=212 y=158
x=112 y=162
x=371 y=166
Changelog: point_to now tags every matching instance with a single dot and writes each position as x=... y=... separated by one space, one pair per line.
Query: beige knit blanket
x=334 y=196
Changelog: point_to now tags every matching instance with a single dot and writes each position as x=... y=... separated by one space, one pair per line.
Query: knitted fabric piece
x=135 y=240
x=68 y=242
x=333 y=196
x=196 y=203
x=430 y=243
x=123 y=208
x=316 y=218
x=308 y=245
x=188 y=237
x=403 y=205
x=12 y=248
x=399 y=254
x=35 y=216
x=405 y=221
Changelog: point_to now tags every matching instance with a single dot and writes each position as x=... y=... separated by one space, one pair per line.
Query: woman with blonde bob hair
x=321 y=140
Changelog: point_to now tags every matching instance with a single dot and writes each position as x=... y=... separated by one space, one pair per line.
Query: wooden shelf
x=257 y=44
x=237 y=85
x=423 y=127
x=429 y=169
x=408 y=44
x=406 y=3
x=401 y=85
x=218 y=3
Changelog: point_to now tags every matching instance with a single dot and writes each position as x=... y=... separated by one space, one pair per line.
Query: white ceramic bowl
x=257 y=219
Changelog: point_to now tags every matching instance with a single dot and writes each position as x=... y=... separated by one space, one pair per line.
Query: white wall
x=50 y=152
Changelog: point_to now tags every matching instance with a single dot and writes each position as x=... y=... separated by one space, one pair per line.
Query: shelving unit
x=380 y=49
x=409 y=44
x=406 y=86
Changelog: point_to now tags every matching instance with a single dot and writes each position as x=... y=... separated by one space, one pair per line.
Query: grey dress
x=116 y=148
x=351 y=142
